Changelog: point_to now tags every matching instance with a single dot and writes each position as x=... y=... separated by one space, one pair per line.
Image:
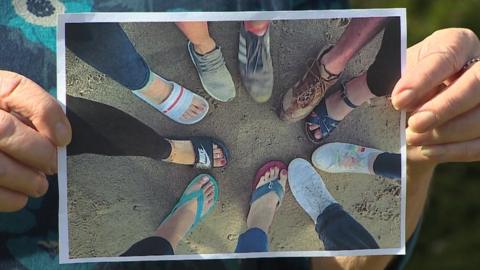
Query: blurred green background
x=450 y=236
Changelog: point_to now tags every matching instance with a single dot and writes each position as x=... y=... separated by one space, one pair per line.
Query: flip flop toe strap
x=273 y=186
x=194 y=195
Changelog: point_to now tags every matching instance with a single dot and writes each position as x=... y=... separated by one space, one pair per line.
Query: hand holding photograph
x=231 y=135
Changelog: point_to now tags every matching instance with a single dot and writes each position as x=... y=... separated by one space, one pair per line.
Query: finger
x=28 y=99
x=458 y=98
x=436 y=62
x=17 y=177
x=26 y=145
x=11 y=201
x=455 y=152
x=462 y=128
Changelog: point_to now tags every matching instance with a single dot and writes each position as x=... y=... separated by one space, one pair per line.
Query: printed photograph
x=222 y=137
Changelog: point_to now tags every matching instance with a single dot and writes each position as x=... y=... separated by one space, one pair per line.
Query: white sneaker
x=344 y=158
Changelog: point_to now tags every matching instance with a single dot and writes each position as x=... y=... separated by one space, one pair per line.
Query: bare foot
x=262 y=210
x=183 y=153
x=159 y=90
x=174 y=228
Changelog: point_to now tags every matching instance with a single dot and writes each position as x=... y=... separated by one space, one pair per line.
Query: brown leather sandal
x=300 y=100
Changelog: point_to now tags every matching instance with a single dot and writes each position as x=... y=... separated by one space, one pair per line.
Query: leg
x=351 y=158
x=378 y=81
x=154 y=245
x=112 y=133
x=335 y=227
x=105 y=130
x=197 y=33
x=175 y=227
x=255 y=61
x=384 y=73
x=340 y=231
x=208 y=60
x=106 y=47
x=262 y=211
x=184 y=216
x=388 y=165
x=324 y=72
x=358 y=33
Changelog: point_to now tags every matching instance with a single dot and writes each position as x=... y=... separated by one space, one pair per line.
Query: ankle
x=357 y=91
x=258 y=28
x=205 y=46
x=158 y=91
x=333 y=65
x=182 y=152
x=167 y=235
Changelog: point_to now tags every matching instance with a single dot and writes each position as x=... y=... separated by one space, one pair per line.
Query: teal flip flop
x=196 y=195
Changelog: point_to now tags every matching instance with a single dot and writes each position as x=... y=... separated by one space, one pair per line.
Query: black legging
x=106 y=130
x=384 y=73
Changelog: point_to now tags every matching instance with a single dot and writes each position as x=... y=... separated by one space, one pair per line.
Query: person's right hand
x=32 y=125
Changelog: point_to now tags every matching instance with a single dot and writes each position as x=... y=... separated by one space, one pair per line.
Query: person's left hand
x=442 y=98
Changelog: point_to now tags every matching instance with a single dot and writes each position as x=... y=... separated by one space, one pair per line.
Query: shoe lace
x=255 y=54
x=212 y=62
x=317 y=85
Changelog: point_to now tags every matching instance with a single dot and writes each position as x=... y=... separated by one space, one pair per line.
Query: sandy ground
x=116 y=201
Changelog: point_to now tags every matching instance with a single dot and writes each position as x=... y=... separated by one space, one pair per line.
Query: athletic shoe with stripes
x=256 y=64
x=213 y=73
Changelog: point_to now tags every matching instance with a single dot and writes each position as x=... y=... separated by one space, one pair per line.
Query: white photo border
x=126 y=17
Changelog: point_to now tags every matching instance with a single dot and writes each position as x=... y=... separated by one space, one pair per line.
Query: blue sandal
x=196 y=195
x=320 y=117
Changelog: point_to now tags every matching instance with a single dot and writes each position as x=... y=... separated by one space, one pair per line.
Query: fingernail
x=42 y=189
x=54 y=166
x=403 y=99
x=423 y=121
x=432 y=151
x=408 y=136
x=61 y=133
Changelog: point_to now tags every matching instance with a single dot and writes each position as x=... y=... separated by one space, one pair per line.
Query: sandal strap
x=325 y=122
x=203 y=147
x=344 y=96
x=194 y=195
x=273 y=186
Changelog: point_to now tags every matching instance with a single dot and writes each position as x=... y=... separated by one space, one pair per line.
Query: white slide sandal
x=176 y=104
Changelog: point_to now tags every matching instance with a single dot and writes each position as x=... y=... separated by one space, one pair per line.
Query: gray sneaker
x=213 y=73
x=256 y=64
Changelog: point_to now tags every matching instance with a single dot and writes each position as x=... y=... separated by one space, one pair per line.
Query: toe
x=186 y=115
x=272 y=173
x=217 y=153
x=220 y=162
x=313 y=126
x=262 y=180
x=283 y=176
x=317 y=134
x=204 y=179
x=276 y=170
x=267 y=176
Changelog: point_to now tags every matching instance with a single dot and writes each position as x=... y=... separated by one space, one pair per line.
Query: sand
x=116 y=201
